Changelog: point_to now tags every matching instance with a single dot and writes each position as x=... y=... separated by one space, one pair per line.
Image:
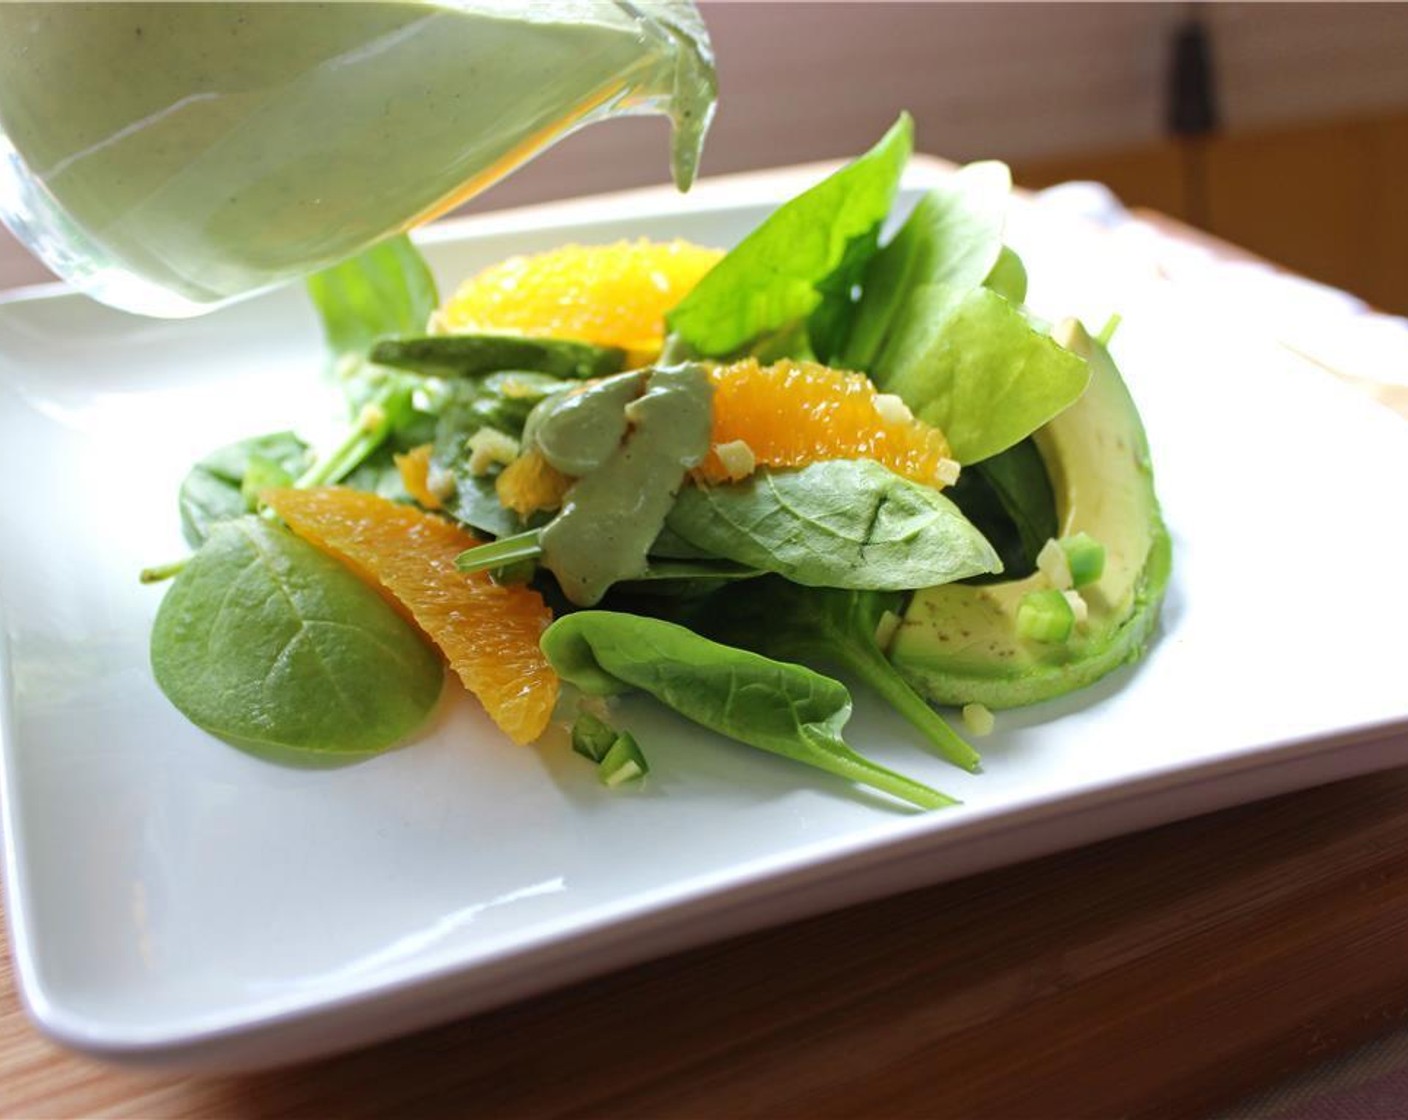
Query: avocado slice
x=958 y=643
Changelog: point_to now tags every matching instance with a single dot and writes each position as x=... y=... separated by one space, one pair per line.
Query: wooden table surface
x=1161 y=974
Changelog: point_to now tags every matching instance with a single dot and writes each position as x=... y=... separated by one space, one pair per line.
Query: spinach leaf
x=1018 y=479
x=669 y=545
x=1008 y=277
x=277 y=648
x=970 y=364
x=214 y=489
x=823 y=626
x=681 y=579
x=801 y=262
x=952 y=236
x=504 y=400
x=835 y=523
x=668 y=571
x=471 y=355
x=386 y=290
x=785 y=709
x=475 y=502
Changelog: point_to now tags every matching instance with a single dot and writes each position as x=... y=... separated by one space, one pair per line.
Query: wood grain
x=1159 y=975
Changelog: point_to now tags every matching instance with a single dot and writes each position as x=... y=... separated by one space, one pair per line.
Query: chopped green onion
x=1052 y=563
x=159 y=572
x=1085 y=556
x=978 y=718
x=1107 y=332
x=623 y=762
x=501 y=553
x=1045 y=616
x=591 y=737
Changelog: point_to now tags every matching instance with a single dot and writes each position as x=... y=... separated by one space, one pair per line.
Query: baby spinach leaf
x=970 y=364
x=1018 y=478
x=682 y=579
x=837 y=523
x=505 y=400
x=471 y=355
x=1008 y=277
x=669 y=545
x=828 y=627
x=386 y=290
x=277 y=648
x=952 y=236
x=1008 y=498
x=800 y=262
x=785 y=709
x=214 y=490
x=475 y=502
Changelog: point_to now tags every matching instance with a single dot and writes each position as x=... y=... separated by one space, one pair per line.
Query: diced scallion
x=1052 y=563
x=737 y=458
x=1107 y=332
x=617 y=755
x=892 y=409
x=591 y=737
x=623 y=762
x=1045 y=616
x=978 y=719
x=1085 y=556
x=1079 y=607
x=489 y=447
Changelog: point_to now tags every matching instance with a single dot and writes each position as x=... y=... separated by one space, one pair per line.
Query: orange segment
x=793 y=413
x=488 y=632
x=610 y=295
x=414 y=466
x=531 y=483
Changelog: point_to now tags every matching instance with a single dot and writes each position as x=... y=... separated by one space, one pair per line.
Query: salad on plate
x=721 y=479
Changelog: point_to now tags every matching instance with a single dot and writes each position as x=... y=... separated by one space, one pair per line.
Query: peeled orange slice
x=609 y=295
x=489 y=633
x=793 y=413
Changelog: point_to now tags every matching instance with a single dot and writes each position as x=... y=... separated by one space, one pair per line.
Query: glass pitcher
x=169 y=157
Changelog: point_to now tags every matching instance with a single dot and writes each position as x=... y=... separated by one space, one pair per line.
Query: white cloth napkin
x=1325 y=324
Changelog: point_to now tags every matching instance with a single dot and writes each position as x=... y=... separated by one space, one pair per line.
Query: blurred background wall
x=1307 y=165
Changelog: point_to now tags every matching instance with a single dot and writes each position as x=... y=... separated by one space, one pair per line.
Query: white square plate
x=176 y=902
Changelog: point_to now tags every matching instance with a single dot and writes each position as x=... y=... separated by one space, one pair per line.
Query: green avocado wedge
x=959 y=644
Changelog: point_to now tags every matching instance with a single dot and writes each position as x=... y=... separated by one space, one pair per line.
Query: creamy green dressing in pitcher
x=171 y=156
